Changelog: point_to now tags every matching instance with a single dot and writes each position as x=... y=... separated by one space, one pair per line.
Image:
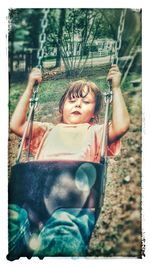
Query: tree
x=34 y=26
x=16 y=33
x=24 y=29
x=75 y=31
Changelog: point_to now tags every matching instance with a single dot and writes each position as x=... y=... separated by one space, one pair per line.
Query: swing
x=43 y=187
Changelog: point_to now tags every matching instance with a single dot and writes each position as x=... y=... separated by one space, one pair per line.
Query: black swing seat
x=41 y=187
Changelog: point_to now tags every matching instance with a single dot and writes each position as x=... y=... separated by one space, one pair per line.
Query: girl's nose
x=78 y=102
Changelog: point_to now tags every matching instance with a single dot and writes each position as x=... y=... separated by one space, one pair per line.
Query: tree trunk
x=60 y=35
x=34 y=36
x=11 y=38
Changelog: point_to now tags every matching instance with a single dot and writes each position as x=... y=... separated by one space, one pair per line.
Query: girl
x=77 y=137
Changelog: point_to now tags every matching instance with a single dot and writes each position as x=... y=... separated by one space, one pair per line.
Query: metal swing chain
x=34 y=99
x=40 y=54
x=108 y=94
x=42 y=37
x=118 y=43
x=117 y=46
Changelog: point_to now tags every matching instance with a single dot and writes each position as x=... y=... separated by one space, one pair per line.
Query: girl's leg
x=18 y=231
x=66 y=233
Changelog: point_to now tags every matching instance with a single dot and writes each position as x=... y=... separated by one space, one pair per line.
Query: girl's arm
x=18 y=120
x=120 y=115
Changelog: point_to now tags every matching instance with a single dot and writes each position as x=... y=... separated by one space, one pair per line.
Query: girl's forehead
x=86 y=91
x=89 y=94
x=81 y=92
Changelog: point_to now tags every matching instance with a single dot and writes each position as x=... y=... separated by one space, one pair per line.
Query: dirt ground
x=118 y=231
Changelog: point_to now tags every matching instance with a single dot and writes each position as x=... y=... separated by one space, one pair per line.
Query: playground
x=118 y=231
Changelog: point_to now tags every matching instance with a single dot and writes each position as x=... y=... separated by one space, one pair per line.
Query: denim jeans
x=66 y=233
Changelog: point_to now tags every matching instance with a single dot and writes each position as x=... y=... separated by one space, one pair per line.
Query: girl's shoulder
x=40 y=128
x=39 y=132
x=44 y=125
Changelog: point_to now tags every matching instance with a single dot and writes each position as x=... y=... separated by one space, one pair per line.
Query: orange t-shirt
x=70 y=142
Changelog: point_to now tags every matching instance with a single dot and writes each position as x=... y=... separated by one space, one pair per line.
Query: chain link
x=42 y=37
x=115 y=49
x=118 y=43
x=108 y=94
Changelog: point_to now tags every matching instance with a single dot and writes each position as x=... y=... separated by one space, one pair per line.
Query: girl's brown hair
x=77 y=89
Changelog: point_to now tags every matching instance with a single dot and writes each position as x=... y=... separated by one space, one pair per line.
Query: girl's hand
x=114 y=75
x=35 y=76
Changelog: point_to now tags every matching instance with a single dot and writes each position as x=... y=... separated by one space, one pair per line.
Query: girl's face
x=79 y=110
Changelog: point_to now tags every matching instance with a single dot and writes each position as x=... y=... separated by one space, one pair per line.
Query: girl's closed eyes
x=74 y=100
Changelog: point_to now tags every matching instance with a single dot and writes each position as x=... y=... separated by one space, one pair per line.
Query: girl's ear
x=61 y=110
x=92 y=119
x=95 y=119
x=60 y=116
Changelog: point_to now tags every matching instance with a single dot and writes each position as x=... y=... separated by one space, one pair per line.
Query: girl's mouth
x=76 y=113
